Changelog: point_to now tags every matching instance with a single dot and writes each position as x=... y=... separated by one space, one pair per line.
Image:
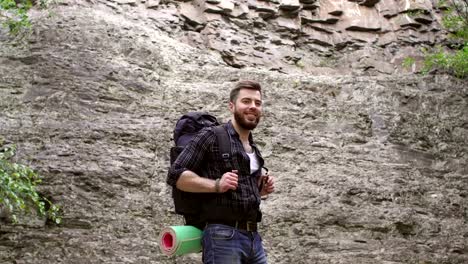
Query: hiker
x=230 y=203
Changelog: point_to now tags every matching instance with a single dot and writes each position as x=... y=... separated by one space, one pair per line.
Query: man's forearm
x=189 y=181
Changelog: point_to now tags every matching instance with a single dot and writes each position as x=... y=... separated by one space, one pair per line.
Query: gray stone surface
x=348 y=24
x=370 y=163
x=361 y=24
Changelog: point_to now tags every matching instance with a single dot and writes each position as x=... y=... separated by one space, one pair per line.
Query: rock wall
x=311 y=36
x=369 y=169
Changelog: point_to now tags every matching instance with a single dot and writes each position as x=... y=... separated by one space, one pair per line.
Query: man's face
x=247 y=108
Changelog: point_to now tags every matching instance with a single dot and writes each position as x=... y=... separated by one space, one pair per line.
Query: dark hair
x=252 y=85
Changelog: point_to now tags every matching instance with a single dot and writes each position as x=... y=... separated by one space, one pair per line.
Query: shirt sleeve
x=193 y=155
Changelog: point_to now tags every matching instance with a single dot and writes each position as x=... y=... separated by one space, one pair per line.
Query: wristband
x=217 y=186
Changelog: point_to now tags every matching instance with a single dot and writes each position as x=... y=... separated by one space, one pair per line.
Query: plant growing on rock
x=18 y=193
x=408 y=62
x=453 y=63
x=455 y=20
x=14 y=13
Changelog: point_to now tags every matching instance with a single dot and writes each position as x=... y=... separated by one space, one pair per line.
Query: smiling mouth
x=251 y=116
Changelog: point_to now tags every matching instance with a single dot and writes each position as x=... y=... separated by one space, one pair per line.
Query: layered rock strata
x=368 y=169
x=315 y=36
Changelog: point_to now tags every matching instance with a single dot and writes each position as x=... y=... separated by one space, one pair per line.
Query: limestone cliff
x=370 y=167
x=311 y=36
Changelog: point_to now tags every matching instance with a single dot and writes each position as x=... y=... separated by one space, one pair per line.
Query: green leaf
x=18 y=192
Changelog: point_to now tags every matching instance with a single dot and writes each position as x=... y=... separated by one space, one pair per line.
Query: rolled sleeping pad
x=180 y=240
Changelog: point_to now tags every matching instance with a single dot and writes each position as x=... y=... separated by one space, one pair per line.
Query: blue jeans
x=224 y=244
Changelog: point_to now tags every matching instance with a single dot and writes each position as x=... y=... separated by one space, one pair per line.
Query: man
x=230 y=209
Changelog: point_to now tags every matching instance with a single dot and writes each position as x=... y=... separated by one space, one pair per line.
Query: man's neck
x=243 y=133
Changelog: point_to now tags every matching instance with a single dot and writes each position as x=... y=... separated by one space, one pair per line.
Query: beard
x=244 y=123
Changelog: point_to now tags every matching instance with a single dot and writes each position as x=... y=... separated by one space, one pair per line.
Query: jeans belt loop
x=248 y=224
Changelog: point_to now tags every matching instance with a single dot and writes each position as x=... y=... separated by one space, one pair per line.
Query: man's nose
x=252 y=105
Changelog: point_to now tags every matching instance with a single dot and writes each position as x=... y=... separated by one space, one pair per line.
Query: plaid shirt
x=202 y=156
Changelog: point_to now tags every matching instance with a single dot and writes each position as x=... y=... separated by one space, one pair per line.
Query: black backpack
x=189 y=125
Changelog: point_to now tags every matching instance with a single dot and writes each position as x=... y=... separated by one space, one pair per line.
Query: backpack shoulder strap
x=224 y=143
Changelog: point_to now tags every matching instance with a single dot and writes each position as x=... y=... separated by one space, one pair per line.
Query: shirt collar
x=232 y=131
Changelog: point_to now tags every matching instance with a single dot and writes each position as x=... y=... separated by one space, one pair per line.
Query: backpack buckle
x=225 y=155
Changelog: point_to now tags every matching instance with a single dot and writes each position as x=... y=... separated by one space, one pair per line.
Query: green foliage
x=453 y=63
x=416 y=12
x=13 y=14
x=455 y=20
x=18 y=194
x=408 y=62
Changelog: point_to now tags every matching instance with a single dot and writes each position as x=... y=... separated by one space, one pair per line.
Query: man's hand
x=267 y=185
x=228 y=181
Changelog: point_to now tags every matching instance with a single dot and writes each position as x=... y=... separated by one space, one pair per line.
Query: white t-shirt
x=254 y=166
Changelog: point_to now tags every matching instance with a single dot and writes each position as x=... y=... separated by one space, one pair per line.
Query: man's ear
x=231 y=107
